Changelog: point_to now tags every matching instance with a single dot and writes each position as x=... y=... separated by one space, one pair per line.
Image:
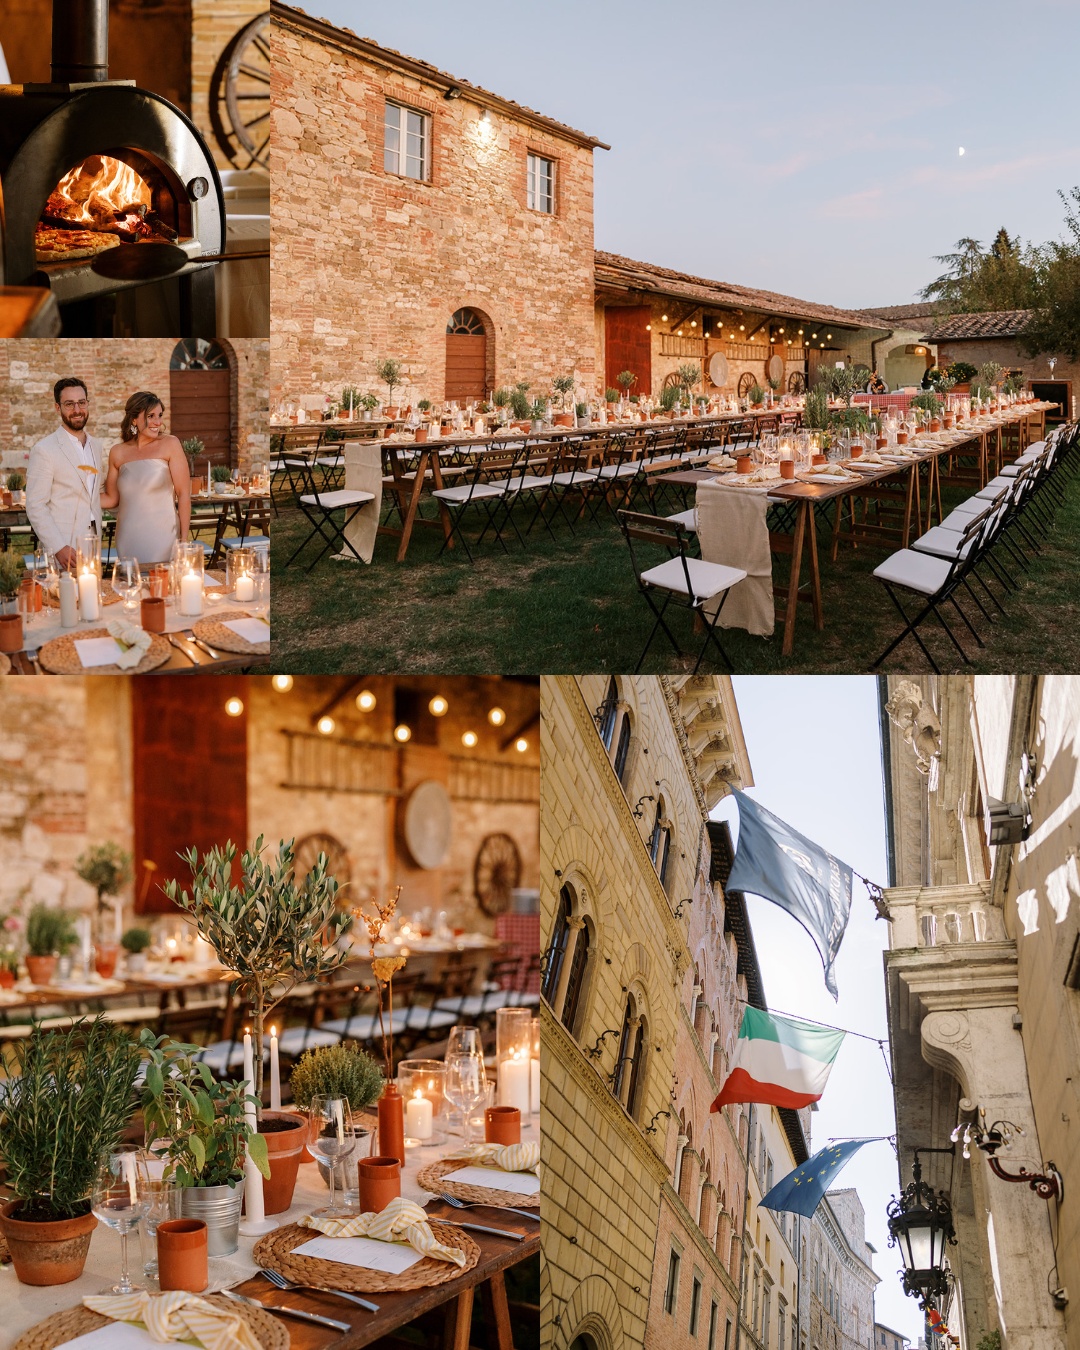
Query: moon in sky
x=961 y=149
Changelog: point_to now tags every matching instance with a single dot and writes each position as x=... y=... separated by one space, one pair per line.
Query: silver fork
x=204 y=646
x=477 y=1204
x=282 y=1283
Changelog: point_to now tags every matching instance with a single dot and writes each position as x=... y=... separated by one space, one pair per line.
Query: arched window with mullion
x=622 y=750
x=567 y=962
x=609 y=713
x=557 y=948
x=628 y=1078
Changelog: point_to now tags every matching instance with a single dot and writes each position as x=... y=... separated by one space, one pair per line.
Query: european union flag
x=800 y=1191
x=774 y=861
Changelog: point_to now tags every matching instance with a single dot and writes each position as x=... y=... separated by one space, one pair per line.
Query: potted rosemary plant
x=200 y=1125
x=12 y=571
x=274 y=932
x=68 y=1101
x=49 y=934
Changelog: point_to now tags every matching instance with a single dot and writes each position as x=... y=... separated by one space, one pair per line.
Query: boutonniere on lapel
x=88 y=468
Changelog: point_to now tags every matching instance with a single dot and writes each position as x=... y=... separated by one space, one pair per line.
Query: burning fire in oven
x=97 y=205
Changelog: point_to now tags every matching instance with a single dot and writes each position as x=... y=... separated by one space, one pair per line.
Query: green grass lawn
x=572 y=605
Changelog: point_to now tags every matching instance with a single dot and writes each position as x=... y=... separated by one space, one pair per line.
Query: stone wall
x=368 y=265
x=113 y=369
x=1008 y=353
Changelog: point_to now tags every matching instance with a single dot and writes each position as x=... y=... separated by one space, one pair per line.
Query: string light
x=438 y=706
x=282 y=683
x=469 y=738
x=326 y=725
x=234 y=707
x=365 y=700
x=496 y=717
x=521 y=745
x=402 y=733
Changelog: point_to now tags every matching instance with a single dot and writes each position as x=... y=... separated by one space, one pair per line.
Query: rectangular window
x=672 y=1291
x=727 y=1335
x=765 y=1317
x=712 y=1325
x=695 y=1300
x=541 y=194
x=781 y=1327
x=406 y=142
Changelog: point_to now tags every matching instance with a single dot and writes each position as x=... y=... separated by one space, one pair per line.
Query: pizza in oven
x=53 y=245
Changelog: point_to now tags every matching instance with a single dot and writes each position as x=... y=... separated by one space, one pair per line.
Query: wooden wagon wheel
x=796 y=382
x=240 y=96
x=671 y=381
x=306 y=854
x=746 y=383
x=496 y=871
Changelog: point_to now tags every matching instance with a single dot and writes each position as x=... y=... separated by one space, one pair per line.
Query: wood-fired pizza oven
x=103 y=155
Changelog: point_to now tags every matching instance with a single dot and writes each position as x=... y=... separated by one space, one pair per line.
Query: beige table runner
x=363 y=473
x=732 y=530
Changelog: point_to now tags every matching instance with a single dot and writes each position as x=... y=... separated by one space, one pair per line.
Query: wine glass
x=165 y=1199
x=464 y=1040
x=120 y=1197
x=466 y=1087
x=332 y=1137
x=127 y=581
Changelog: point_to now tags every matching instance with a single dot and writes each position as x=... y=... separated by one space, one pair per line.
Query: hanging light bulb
x=496 y=717
x=365 y=700
x=521 y=745
x=282 y=683
x=326 y=725
x=234 y=707
x=663 y=318
x=438 y=706
x=955 y=1134
x=402 y=733
x=469 y=738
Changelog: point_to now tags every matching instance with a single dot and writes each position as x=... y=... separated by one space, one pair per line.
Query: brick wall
x=368 y=265
x=114 y=369
x=213 y=23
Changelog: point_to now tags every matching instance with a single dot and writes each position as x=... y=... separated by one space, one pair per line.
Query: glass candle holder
x=513 y=1056
x=190 y=569
x=239 y=574
x=422 y=1083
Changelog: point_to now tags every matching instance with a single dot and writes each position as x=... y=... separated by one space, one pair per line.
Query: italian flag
x=779 y=1061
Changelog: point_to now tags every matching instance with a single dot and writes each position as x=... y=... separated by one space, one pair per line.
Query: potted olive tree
x=199 y=1123
x=108 y=869
x=49 y=934
x=564 y=387
x=275 y=932
x=336 y=1071
x=69 y=1098
x=389 y=371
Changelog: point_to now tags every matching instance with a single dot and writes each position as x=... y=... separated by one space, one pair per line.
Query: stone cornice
x=674 y=1199
x=672 y=701
x=674 y=937
x=558 y=1042
x=955 y=977
x=831 y=1226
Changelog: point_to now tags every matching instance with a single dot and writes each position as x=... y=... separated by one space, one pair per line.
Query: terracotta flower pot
x=7 y=978
x=901 y=438
x=392 y=413
x=284 y=1143
x=935 y=424
x=564 y=419
x=856 y=451
x=11 y=633
x=182 y=1255
x=52 y=1252
x=41 y=969
x=502 y=1125
x=380 y=1182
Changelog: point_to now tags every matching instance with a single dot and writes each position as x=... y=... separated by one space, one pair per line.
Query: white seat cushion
x=294 y=1041
x=687 y=519
x=915 y=571
x=248 y=541
x=960 y=517
x=362 y=1027
x=331 y=462
x=529 y=483
x=428 y=1019
x=342 y=497
x=574 y=476
x=944 y=543
x=707 y=579
x=467 y=492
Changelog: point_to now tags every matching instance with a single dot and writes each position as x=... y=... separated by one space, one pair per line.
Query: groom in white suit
x=64 y=476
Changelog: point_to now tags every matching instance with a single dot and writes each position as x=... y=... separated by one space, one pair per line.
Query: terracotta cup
x=182 y=1262
x=901 y=438
x=380 y=1182
x=11 y=632
x=420 y=434
x=502 y=1125
x=153 y=615
x=818 y=459
x=787 y=468
x=158 y=578
x=744 y=464
x=856 y=451
x=882 y=442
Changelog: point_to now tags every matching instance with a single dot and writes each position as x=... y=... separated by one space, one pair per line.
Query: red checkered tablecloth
x=521 y=934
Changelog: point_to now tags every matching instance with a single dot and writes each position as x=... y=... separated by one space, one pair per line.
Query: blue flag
x=800 y=1191
x=774 y=861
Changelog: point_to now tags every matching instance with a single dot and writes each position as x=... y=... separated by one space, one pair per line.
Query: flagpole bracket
x=679 y=907
x=652 y=1126
x=597 y=1049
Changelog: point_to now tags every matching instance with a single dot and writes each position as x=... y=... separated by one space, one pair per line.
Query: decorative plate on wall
x=718 y=369
x=307 y=851
x=427 y=824
x=776 y=367
x=496 y=872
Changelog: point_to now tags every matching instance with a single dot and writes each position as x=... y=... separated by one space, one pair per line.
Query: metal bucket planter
x=219 y=1209
x=346 y=1178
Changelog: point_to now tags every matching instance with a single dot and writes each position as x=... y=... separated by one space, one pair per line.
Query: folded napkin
x=401 y=1221
x=722 y=462
x=830 y=470
x=510 y=1157
x=176 y=1317
x=133 y=640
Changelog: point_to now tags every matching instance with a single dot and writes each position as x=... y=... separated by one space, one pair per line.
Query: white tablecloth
x=25 y=1305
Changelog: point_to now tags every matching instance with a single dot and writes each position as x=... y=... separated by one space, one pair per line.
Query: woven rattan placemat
x=431 y=1179
x=275 y=1252
x=5 y=664
x=214 y=632
x=59 y=656
x=65 y=1326
x=106 y=592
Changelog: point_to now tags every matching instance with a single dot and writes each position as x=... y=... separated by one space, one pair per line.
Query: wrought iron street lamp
x=921 y=1225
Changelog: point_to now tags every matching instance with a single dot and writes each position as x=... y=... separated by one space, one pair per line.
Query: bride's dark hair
x=136 y=405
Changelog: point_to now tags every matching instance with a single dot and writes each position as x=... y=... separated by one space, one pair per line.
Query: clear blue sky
x=806 y=149
x=815 y=751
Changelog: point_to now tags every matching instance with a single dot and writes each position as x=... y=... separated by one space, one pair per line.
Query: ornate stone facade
x=982 y=990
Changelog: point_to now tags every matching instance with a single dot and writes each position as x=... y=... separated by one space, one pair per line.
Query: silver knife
x=479 y=1228
x=213 y=655
x=289 y=1312
x=174 y=642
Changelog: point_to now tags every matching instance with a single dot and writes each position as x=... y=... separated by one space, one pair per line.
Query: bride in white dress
x=149 y=481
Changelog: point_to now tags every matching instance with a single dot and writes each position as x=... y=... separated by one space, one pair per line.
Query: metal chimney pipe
x=80 y=41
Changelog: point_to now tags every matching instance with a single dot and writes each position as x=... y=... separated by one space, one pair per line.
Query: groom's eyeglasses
x=82 y=403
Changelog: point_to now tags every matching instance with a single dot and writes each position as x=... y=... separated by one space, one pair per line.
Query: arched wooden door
x=466 y=358
x=201 y=397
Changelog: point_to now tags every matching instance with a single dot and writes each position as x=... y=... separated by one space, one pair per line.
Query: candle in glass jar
x=418 y=1116
x=191 y=593
x=514 y=1074
x=89 y=602
x=245 y=588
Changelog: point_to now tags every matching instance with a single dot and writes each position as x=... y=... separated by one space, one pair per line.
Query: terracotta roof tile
x=994 y=323
x=613 y=269
x=921 y=311
x=323 y=28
